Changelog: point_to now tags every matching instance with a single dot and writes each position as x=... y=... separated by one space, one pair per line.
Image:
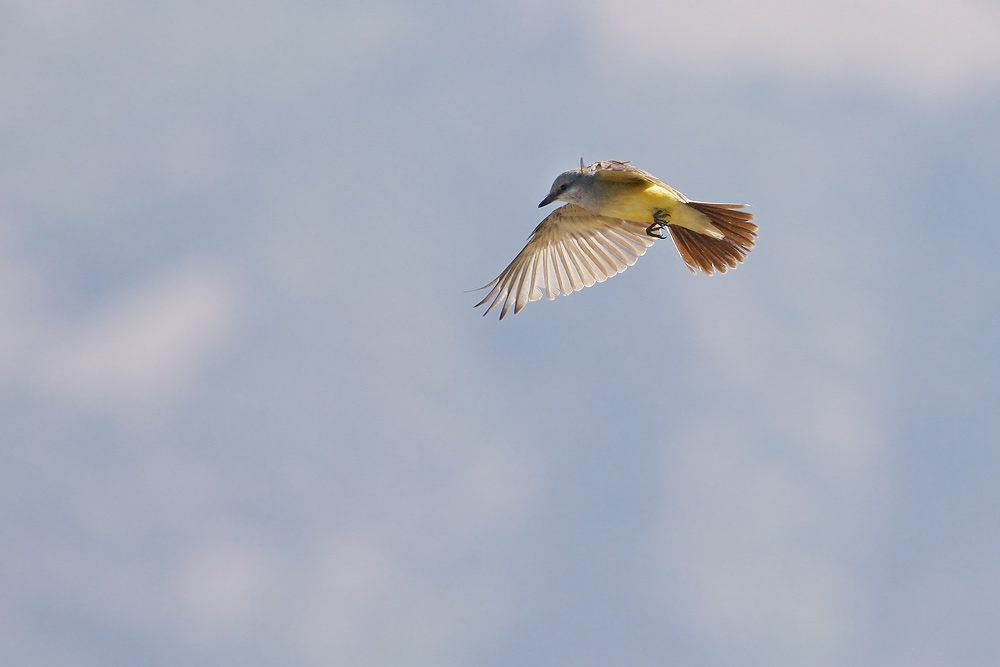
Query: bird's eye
x=563 y=186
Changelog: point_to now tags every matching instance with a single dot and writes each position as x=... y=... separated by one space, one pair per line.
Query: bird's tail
x=710 y=255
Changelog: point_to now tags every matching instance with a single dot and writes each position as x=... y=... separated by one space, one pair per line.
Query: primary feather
x=570 y=249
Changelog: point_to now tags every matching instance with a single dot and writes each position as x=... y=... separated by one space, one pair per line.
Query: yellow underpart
x=641 y=203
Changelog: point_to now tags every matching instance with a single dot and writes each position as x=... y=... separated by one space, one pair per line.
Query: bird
x=613 y=213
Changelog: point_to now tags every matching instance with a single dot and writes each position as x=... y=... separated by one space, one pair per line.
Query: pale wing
x=571 y=249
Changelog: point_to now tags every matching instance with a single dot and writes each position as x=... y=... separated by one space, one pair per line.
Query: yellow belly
x=640 y=204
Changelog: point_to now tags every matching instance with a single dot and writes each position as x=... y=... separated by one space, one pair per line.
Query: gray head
x=567 y=186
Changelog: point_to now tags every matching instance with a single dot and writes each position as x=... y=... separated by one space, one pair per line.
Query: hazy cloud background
x=249 y=417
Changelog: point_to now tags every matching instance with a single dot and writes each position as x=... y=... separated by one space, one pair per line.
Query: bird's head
x=566 y=187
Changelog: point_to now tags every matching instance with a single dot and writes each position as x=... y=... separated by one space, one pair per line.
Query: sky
x=249 y=416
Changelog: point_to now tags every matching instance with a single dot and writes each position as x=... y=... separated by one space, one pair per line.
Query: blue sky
x=250 y=417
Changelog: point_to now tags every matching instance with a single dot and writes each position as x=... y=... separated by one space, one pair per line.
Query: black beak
x=549 y=198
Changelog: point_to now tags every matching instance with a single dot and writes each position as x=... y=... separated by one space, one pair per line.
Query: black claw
x=656 y=230
x=660 y=221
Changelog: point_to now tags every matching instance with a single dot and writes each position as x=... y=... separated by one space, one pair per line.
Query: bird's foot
x=656 y=230
x=660 y=221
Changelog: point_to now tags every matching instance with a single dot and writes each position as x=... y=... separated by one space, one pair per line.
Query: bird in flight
x=614 y=211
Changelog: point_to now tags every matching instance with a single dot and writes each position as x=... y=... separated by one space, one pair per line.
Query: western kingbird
x=614 y=212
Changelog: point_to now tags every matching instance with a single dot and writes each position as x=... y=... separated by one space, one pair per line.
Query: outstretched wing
x=570 y=249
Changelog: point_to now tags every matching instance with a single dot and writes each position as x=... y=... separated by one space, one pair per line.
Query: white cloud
x=932 y=49
x=145 y=345
x=222 y=585
x=136 y=351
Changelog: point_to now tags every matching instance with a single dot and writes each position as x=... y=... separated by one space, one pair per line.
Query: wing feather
x=550 y=274
x=623 y=172
x=590 y=257
x=567 y=279
x=612 y=247
x=571 y=249
x=562 y=271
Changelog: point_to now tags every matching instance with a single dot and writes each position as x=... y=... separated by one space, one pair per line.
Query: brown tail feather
x=711 y=255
